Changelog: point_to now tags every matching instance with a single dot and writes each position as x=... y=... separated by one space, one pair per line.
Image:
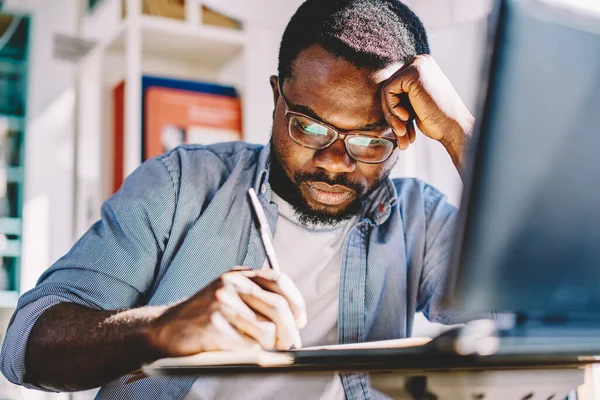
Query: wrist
x=147 y=335
x=462 y=128
x=455 y=142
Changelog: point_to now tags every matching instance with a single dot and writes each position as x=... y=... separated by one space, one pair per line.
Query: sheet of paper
x=381 y=344
x=253 y=356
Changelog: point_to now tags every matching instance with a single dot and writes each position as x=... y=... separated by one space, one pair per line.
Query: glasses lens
x=310 y=133
x=369 y=149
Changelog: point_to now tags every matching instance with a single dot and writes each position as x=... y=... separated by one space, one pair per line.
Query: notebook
x=273 y=358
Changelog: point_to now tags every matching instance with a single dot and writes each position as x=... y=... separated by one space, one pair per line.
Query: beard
x=290 y=191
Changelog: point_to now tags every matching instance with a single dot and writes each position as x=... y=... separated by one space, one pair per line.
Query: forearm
x=72 y=347
x=458 y=142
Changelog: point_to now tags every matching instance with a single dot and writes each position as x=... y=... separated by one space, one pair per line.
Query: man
x=360 y=253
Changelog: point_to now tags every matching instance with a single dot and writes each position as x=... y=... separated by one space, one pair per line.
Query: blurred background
x=91 y=88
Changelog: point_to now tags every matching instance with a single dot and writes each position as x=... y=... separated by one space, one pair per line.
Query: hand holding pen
x=241 y=309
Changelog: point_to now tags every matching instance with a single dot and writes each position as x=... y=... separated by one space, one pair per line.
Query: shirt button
x=263 y=188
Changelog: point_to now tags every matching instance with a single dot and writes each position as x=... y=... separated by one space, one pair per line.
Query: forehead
x=340 y=92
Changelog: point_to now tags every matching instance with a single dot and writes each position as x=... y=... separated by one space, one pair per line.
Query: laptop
x=529 y=224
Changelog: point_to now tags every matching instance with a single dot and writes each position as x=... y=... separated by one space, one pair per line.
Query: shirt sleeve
x=111 y=267
x=440 y=225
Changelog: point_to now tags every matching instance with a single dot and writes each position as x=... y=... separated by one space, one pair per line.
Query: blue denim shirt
x=183 y=218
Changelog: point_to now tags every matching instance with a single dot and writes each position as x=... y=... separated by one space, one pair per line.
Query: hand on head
x=437 y=109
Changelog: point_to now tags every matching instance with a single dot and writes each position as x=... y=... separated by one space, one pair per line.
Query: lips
x=332 y=195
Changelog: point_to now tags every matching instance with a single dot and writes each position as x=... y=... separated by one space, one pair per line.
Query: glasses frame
x=344 y=137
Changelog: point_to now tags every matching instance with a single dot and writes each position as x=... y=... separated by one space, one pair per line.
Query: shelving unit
x=139 y=45
x=211 y=47
x=13 y=89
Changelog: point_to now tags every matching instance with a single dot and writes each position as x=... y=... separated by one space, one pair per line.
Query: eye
x=361 y=141
x=368 y=142
x=310 y=128
x=378 y=142
x=315 y=129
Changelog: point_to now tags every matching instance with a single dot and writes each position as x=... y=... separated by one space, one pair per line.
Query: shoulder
x=417 y=199
x=195 y=165
x=413 y=188
x=227 y=154
x=206 y=162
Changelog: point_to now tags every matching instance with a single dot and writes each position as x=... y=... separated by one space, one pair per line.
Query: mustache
x=322 y=176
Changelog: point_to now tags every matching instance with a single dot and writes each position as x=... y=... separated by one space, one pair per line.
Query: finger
x=395 y=92
x=392 y=105
x=276 y=309
x=385 y=107
x=226 y=337
x=240 y=268
x=285 y=287
x=240 y=316
x=393 y=121
x=402 y=140
x=412 y=133
x=401 y=112
x=272 y=305
x=398 y=126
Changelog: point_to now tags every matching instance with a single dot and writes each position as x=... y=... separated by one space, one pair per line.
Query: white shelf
x=14 y=174
x=8 y=299
x=13 y=121
x=209 y=46
x=10 y=226
x=10 y=248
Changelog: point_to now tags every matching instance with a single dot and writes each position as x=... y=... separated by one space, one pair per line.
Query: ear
x=273 y=80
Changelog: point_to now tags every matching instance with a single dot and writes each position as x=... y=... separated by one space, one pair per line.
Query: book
x=174 y=117
x=149 y=81
x=176 y=111
x=118 y=165
x=252 y=356
x=175 y=9
x=272 y=358
x=261 y=358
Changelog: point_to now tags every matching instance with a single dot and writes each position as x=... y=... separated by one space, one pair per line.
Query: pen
x=265 y=232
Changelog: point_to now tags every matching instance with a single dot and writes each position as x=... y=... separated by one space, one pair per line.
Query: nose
x=334 y=159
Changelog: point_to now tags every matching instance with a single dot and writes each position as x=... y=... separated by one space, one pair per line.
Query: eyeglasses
x=370 y=147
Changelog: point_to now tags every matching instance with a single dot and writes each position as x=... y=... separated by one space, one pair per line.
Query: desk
x=426 y=373
x=515 y=384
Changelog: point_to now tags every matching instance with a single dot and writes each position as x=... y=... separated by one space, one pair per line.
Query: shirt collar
x=261 y=183
x=377 y=208
x=380 y=202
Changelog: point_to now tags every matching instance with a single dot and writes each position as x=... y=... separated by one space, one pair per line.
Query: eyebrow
x=311 y=113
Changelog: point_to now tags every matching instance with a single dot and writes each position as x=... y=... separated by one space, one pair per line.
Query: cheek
x=386 y=167
x=374 y=173
x=369 y=172
x=293 y=157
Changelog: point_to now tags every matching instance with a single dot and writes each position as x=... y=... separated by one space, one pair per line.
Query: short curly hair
x=367 y=33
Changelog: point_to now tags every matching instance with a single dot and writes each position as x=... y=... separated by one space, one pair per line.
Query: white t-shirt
x=312 y=257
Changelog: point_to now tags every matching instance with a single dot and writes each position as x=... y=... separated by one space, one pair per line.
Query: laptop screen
x=530 y=219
